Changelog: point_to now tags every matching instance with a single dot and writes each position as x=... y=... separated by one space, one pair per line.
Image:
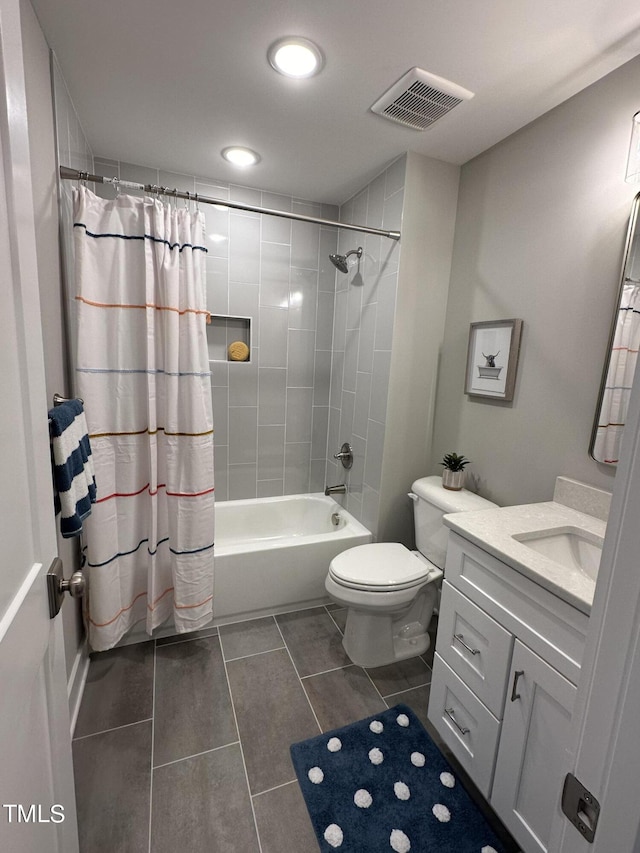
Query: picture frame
x=492 y=359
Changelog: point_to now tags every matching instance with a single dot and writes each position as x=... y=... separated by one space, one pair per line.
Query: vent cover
x=419 y=99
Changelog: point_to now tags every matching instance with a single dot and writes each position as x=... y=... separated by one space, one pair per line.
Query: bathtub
x=273 y=554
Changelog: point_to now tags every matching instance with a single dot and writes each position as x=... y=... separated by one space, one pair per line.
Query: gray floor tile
x=283 y=821
x=342 y=696
x=339 y=616
x=395 y=677
x=193 y=710
x=249 y=638
x=119 y=689
x=418 y=700
x=192 y=635
x=202 y=805
x=113 y=779
x=272 y=712
x=334 y=606
x=313 y=640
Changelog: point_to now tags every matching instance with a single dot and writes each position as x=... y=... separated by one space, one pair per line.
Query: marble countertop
x=493 y=531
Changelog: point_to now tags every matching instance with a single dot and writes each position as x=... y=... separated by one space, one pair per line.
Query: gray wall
x=270 y=414
x=43 y=165
x=362 y=339
x=540 y=231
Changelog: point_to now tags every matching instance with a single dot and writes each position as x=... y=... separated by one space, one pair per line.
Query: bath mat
x=382 y=785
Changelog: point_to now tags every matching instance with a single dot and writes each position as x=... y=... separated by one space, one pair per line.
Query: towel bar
x=58 y=399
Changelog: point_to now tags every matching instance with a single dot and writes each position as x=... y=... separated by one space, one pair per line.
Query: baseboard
x=76 y=682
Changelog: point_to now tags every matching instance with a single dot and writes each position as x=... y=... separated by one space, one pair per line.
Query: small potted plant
x=453 y=473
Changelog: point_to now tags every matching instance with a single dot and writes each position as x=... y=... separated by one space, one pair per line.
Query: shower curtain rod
x=68 y=174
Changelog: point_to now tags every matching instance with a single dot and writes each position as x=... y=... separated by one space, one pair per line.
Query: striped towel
x=74 y=484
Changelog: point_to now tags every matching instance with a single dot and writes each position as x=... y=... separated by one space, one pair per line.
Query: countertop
x=493 y=529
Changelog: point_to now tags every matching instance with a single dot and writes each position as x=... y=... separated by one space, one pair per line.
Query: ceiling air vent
x=419 y=98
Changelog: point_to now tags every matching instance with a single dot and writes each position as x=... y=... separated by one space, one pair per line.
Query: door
x=535 y=727
x=37 y=805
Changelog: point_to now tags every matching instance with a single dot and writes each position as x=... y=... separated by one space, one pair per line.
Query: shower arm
x=68 y=174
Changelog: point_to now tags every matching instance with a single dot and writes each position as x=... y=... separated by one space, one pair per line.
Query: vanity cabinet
x=506 y=662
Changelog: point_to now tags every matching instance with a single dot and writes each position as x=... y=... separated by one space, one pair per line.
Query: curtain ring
x=187 y=201
x=116 y=184
x=197 y=204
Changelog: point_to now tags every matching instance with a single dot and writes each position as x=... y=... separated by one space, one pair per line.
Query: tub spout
x=335 y=490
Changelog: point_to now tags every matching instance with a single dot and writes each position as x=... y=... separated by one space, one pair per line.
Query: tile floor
x=182 y=744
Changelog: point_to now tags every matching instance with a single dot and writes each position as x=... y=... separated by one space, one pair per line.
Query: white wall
x=540 y=230
x=428 y=222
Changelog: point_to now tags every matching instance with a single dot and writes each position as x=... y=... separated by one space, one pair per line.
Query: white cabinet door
x=37 y=801
x=529 y=768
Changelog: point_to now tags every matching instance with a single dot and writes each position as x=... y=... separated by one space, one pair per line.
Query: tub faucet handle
x=345 y=455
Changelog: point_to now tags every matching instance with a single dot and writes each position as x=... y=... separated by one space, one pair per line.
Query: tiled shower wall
x=362 y=339
x=270 y=414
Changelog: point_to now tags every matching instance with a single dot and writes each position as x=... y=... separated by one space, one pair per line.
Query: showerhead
x=340 y=261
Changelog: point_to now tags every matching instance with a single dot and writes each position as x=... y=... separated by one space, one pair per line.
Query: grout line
x=153 y=732
x=406 y=690
x=325 y=671
x=334 y=621
x=374 y=685
x=196 y=754
x=114 y=729
x=275 y=788
x=186 y=640
x=295 y=669
x=255 y=654
x=244 y=763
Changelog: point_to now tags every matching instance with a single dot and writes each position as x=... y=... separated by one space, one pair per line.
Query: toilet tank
x=431 y=501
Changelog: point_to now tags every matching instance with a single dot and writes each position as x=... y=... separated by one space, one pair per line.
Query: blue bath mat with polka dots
x=382 y=785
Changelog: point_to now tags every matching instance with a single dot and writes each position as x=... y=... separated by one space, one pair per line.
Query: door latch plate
x=54 y=587
x=580 y=806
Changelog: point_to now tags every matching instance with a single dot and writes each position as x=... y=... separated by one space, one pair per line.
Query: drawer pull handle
x=516 y=676
x=450 y=714
x=460 y=639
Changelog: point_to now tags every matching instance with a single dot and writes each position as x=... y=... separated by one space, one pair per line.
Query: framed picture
x=492 y=359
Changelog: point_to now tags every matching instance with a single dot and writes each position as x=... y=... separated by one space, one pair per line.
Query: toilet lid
x=380 y=565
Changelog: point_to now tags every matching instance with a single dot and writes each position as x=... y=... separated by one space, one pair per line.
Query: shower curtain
x=622 y=365
x=143 y=373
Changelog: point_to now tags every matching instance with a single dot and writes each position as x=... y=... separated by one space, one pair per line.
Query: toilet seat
x=381 y=567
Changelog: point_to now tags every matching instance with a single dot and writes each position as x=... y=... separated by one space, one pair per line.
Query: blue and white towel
x=73 y=478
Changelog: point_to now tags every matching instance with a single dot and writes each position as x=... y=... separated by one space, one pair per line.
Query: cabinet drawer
x=475 y=646
x=468 y=728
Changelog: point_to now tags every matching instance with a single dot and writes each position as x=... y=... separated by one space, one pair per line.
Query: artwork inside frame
x=492 y=359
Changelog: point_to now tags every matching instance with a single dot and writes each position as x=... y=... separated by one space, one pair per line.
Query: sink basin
x=569 y=546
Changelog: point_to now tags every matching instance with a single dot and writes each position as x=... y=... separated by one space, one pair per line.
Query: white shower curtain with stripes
x=143 y=373
x=622 y=367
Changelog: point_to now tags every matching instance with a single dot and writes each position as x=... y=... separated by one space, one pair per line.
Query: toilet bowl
x=389 y=591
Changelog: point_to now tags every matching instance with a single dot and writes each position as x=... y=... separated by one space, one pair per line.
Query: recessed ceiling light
x=294 y=56
x=240 y=156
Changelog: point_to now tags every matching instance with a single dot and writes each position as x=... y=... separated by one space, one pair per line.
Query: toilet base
x=376 y=639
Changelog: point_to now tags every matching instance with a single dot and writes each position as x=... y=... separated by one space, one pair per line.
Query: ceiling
x=169 y=83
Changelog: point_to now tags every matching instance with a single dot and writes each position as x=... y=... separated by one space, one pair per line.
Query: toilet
x=390 y=591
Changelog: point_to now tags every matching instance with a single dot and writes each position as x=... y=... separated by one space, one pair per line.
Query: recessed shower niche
x=229 y=338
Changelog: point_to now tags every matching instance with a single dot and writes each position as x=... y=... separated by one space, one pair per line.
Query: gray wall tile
x=270 y=488
x=272 y=385
x=275 y=265
x=319 y=432
x=243 y=384
x=373 y=460
x=351 y=360
x=303 y=299
x=301 y=358
x=243 y=434
x=221 y=471
x=361 y=409
x=324 y=325
x=243 y=300
x=317 y=478
x=242 y=482
x=297 y=466
x=270 y=452
x=367 y=338
x=380 y=385
x=326 y=270
x=273 y=334
x=305 y=244
x=244 y=248
x=299 y=413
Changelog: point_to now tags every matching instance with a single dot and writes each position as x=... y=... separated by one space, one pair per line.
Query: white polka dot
x=488 y=849
x=417 y=759
x=333 y=835
x=402 y=720
x=448 y=780
x=362 y=798
x=399 y=841
x=334 y=744
x=376 y=726
x=401 y=791
x=315 y=775
x=441 y=812
x=375 y=756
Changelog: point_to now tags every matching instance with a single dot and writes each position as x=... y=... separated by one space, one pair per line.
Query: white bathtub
x=273 y=554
